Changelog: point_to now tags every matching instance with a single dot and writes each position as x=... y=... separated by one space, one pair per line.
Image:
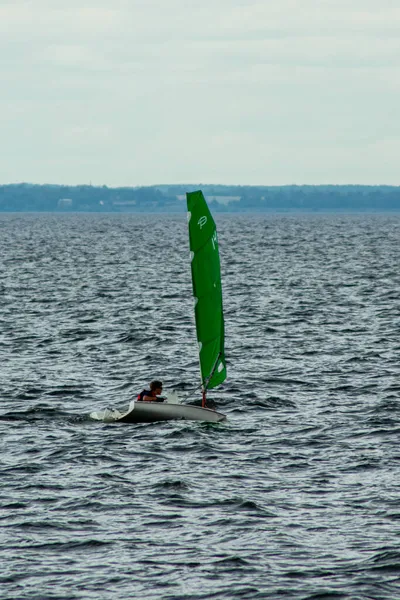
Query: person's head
x=156 y=387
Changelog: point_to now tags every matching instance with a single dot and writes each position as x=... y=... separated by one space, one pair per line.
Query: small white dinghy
x=149 y=412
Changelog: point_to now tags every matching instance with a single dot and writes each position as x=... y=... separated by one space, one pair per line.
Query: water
x=295 y=496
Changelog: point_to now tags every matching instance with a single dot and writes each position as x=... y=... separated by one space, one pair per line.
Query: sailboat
x=207 y=292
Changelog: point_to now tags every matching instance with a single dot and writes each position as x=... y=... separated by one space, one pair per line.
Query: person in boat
x=153 y=394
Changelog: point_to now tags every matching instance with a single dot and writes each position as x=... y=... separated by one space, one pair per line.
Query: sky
x=145 y=92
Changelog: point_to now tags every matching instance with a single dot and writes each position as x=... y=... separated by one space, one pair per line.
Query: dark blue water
x=296 y=495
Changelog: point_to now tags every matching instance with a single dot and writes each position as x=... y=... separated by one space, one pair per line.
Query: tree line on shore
x=23 y=197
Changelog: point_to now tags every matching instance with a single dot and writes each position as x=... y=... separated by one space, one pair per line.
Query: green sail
x=207 y=291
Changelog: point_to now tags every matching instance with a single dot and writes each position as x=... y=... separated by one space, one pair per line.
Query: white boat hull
x=150 y=412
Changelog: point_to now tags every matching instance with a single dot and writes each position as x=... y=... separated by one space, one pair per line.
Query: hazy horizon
x=201 y=184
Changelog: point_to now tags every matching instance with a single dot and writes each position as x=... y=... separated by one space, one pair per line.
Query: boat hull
x=150 y=412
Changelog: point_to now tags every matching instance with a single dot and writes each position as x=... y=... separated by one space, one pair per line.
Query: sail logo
x=202 y=221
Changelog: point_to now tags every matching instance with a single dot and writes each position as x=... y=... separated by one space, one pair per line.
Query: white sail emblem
x=202 y=221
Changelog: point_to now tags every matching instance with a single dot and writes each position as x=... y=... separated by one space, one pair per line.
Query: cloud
x=154 y=91
x=49 y=19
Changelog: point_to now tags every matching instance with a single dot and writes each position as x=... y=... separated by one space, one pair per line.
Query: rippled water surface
x=296 y=495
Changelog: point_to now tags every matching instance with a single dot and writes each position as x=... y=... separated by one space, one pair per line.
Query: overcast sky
x=141 y=92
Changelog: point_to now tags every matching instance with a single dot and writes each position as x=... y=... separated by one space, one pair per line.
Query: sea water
x=296 y=495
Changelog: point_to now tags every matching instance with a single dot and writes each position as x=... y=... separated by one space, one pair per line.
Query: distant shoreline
x=169 y=199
